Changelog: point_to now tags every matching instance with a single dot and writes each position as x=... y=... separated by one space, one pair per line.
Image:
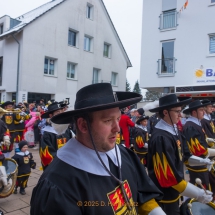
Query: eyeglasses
x=176 y=111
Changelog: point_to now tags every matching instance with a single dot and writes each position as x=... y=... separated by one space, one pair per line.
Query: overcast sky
x=125 y=14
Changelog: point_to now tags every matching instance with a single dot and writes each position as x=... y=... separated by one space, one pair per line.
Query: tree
x=128 y=88
x=137 y=88
x=153 y=95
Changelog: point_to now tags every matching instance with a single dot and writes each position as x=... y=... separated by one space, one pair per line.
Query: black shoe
x=22 y=191
x=14 y=192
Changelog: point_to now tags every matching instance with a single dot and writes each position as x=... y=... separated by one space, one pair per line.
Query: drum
x=11 y=171
x=197 y=208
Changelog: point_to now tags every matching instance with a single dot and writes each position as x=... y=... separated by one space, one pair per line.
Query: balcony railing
x=100 y=81
x=166 y=67
x=168 y=20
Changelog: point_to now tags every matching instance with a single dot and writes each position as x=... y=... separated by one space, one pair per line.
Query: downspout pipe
x=17 y=79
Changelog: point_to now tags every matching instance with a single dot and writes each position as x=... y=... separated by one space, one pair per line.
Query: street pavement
x=17 y=204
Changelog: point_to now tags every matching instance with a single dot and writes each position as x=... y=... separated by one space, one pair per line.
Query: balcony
x=100 y=81
x=168 y=20
x=166 y=67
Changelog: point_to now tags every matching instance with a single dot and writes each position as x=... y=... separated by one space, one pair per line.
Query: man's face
x=209 y=109
x=9 y=107
x=175 y=114
x=144 y=122
x=200 y=113
x=104 y=127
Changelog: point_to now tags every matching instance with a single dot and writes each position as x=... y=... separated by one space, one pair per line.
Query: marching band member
x=11 y=118
x=51 y=141
x=141 y=138
x=197 y=143
x=165 y=165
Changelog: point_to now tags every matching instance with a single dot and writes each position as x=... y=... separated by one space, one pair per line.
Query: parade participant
x=124 y=123
x=196 y=142
x=25 y=162
x=11 y=118
x=4 y=134
x=165 y=165
x=207 y=123
x=51 y=140
x=153 y=120
x=140 y=112
x=133 y=113
x=20 y=126
x=141 y=138
x=91 y=174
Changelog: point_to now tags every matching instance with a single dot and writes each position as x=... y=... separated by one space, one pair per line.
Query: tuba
x=11 y=171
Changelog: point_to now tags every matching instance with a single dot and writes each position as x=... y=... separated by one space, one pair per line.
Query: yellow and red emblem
x=163 y=171
x=117 y=202
x=61 y=142
x=139 y=141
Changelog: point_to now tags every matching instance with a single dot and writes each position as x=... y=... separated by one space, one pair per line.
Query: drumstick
x=199 y=182
x=189 y=207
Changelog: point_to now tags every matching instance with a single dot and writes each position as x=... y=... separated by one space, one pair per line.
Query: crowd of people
x=86 y=172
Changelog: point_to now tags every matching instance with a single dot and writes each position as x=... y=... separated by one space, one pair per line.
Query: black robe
x=208 y=127
x=65 y=190
x=50 y=143
x=165 y=165
x=197 y=145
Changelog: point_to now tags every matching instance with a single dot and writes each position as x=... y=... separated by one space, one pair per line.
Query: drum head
x=10 y=166
x=198 y=208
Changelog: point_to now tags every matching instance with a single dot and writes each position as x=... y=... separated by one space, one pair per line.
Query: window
x=168 y=19
x=167 y=62
x=49 y=65
x=71 y=70
x=96 y=75
x=114 y=78
x=212 y=44
x=72 y=38
x=1 y=28
x=1 y=61
x=89 y=11
x=106 y=50
x=88 y=43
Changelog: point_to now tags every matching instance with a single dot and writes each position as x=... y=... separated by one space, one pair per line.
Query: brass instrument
x=3 y=111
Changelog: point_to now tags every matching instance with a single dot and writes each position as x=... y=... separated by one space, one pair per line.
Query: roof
x=30 y=16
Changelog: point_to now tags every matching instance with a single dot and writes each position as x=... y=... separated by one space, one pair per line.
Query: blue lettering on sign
x=209 y=73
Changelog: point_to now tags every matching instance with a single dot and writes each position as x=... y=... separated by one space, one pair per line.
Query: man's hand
x=204 y=197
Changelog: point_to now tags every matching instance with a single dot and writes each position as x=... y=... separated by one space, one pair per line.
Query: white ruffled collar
x=81 y=157
x=194 y=120
x=23 y=153
x=167 y=127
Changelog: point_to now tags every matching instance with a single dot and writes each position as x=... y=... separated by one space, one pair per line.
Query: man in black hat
x=165 y=165
x=91 y=174
x=10 y=118
x=197 y=144
x=207 y=123
x=52 y=140
x=141 y=138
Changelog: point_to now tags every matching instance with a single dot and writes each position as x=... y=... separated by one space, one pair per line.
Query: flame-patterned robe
x=165 y=165
x=140 y=138
x=50 y=143
x=197 y=145
x=65 y=189
x=208 y=127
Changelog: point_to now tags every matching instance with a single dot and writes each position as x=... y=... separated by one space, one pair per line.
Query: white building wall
x=191 y=48
x=48 y=37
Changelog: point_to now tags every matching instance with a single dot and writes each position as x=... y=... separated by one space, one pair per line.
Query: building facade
x=56 y=49
x=178 y=47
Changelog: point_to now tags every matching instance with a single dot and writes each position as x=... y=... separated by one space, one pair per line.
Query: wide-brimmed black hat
x=169 y=101
x=7 y=103
x=51 y=108
x=195 y=105
x=97 y=97
x=143 y=117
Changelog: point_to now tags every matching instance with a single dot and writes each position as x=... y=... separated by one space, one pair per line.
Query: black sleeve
x=52 y=201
